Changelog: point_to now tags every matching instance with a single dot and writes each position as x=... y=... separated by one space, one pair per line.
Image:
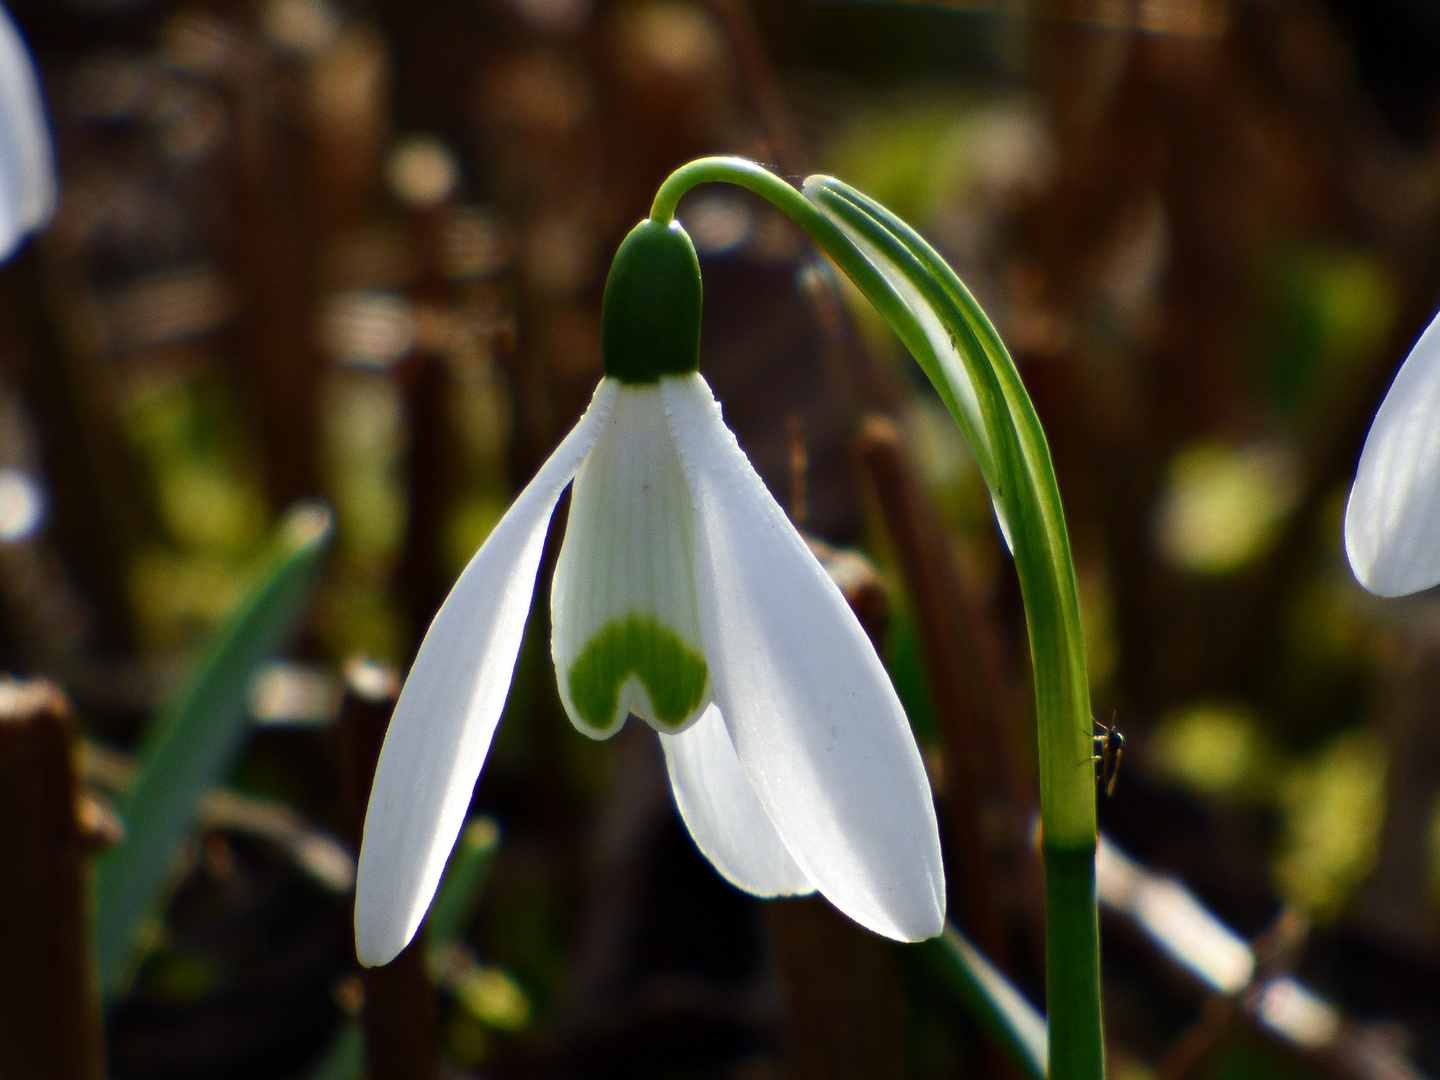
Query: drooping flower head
x=683 y=596
x=1392 y=522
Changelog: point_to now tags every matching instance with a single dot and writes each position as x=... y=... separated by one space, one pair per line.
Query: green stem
x=1025 y=485
x=1031 y=498
x=989 y=403
x=832 y=240
x=730 y=170
x=1072 y=974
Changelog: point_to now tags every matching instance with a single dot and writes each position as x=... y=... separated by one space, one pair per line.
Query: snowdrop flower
x=1392 y=522
x=683 y=595
x=27 y=162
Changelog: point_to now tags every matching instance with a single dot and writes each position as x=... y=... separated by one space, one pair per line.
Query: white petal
x=724 y=815
x=1392 y=523
x=27 y=161
x=810 y=710
x=447 y=712
x=626 y=626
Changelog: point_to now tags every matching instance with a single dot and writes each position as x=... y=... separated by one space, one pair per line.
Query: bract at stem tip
x=650 y=319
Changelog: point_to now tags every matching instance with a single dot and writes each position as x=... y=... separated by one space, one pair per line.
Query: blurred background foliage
x=355 y=250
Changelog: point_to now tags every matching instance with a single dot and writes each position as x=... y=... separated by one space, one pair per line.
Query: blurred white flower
x=683 y=595
x=1392 y=523
x=27 y=160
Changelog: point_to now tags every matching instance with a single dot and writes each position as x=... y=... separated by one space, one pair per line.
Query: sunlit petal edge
x=810 y=710
x=446 y=716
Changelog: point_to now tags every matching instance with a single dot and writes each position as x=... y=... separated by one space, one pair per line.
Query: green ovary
x=673 y=674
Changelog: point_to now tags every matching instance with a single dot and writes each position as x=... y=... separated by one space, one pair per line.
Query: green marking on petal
x=673 y=674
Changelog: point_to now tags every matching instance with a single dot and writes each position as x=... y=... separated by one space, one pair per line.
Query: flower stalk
x=943 y=327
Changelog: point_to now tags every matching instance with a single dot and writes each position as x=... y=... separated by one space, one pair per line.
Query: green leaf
x=1022 y=483
x=1000 y=1009
x=463 y=882
x=192 y=742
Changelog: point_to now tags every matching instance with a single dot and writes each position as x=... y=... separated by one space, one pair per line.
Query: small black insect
x=1110 y=747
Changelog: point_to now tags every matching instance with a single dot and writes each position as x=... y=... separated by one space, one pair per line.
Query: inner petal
x=625 y=620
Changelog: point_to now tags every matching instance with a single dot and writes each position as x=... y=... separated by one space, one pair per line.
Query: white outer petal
x=27 y=161
x=810 y=710
x=451 y=703
x=1392 y=522
x=723 y=814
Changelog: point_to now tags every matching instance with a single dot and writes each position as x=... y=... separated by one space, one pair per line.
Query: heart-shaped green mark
x=672 y=673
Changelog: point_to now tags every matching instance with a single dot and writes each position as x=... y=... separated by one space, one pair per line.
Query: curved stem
x=730 y=170
x=1046 y=569
x=830 y=238
x=1010 y=445
x=1040 y=538
x=1042 y=549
